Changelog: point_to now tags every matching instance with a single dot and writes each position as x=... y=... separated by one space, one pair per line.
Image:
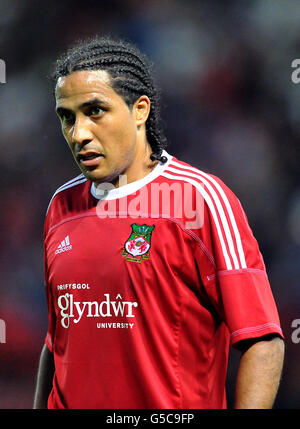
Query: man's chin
x=94 y=176
x=97 y=178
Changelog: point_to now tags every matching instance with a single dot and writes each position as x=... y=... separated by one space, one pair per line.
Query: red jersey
x=147 y=284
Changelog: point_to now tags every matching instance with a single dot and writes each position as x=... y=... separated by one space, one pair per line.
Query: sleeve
x=236 y=282
x=49 y=339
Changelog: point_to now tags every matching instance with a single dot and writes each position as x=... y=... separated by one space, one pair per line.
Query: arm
x=44 y=379
x=259 y=373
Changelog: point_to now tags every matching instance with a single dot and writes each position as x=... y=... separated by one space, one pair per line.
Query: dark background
x=229 y=108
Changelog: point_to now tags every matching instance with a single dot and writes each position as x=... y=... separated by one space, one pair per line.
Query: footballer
x=151 y=268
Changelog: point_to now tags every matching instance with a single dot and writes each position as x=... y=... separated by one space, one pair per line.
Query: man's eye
x=95 y=111
x=67 y=117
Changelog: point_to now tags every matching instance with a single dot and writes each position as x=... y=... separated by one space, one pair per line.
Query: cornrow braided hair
x=131 y=75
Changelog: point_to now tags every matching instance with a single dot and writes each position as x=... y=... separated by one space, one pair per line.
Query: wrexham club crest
x=137 y=246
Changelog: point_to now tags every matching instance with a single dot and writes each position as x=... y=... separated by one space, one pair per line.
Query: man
x=151 y=268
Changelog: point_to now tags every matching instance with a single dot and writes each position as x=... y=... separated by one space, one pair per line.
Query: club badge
x=137 y=246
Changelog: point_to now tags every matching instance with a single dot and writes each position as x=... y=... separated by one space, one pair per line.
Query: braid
x=131 y=76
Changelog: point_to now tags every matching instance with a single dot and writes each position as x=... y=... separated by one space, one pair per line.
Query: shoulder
x=66 y=201
x=224 y=226
x=217 y=203
x=69 y=188
x=207 y=184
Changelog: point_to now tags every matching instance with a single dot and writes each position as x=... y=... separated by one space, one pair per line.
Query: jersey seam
x=177 y=371
x=234 y=272
x=197 y=239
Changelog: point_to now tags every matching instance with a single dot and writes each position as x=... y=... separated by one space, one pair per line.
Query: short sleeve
x=236 y=281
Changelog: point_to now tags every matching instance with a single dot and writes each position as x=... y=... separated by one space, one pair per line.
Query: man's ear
x=141 y=110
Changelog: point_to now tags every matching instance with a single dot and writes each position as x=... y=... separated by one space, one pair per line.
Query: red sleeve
x=51 y=312
x=236 y=282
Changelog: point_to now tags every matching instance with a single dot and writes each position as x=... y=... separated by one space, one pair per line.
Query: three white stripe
x=188 y=176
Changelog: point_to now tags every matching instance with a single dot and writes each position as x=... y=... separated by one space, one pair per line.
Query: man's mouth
x=89 y=158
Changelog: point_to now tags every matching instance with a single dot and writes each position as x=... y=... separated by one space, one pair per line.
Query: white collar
x=107 y=191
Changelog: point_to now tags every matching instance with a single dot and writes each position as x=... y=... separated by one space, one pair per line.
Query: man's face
x=101 y=130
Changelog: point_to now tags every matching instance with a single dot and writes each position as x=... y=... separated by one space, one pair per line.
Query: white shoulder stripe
x=201 y=175
x=220 y=210
x=76 y=181
x=212 y=209
x=80 y=176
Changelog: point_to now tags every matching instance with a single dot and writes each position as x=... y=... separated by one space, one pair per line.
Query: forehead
x=82 y=85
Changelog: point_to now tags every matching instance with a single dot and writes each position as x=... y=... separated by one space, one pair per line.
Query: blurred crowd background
x=229 y=107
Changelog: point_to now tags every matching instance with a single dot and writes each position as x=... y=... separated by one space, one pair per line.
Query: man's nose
x=81 y=132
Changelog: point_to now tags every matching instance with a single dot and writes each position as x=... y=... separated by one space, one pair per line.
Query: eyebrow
x=92 y=102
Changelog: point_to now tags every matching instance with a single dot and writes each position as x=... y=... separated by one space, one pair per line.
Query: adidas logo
x=64 y=246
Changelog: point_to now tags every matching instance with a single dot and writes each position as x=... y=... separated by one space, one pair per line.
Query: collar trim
x=107 y=191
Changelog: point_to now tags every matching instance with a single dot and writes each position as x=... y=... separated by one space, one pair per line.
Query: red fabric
x=150 y=330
